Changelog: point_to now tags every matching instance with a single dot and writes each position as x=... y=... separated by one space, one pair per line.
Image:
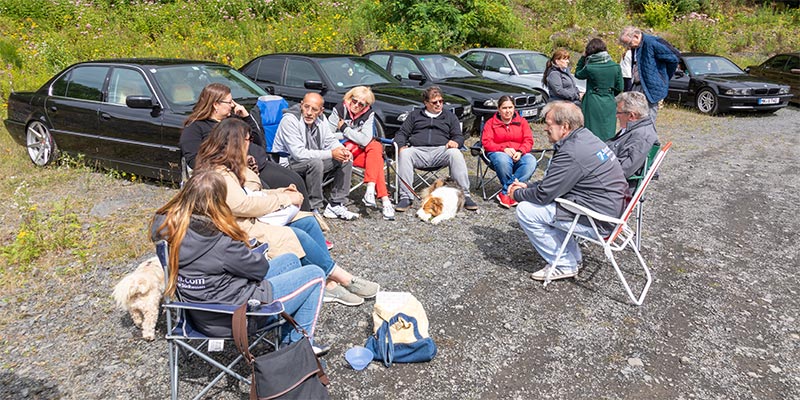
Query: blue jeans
x=507 y=170
x=546 y=233
x=311 y=238
x=299 y=288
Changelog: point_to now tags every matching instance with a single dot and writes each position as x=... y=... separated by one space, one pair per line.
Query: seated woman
x=354 y=120
x=211 y=260
x=225 y=151
x=508 y=140
x=216 y=103
x=558 y=81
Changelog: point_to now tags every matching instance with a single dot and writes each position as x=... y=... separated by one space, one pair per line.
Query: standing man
x=653 y=62
x=429 y=138
x=313 y=150
x=583 y=170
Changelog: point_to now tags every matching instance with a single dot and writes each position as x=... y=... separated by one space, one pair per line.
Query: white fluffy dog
x=441 y=201
x=140 y=293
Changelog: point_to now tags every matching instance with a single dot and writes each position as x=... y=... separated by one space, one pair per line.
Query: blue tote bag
x=399 y=340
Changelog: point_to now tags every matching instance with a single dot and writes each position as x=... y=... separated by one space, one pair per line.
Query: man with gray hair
x=653 y=62
x=637 y=134
x=583 y=170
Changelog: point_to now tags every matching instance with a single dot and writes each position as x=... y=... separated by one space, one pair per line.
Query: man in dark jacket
x=653 y=62
x=431 y=138
x=638 y=134
x=583 y=170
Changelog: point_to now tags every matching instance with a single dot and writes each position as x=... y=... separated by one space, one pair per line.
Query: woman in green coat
x=603 y=82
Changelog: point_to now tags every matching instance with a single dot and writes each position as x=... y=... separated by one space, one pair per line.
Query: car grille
x=528 y=101
x=764 y=91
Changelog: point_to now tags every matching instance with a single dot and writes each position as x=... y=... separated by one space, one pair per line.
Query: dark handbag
x=291 y=372
x=409 y=349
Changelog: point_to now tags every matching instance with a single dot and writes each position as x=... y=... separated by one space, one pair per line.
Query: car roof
x=144 y=62
x=700 y=55
x=312 y=55
x=504 y=50
x=411 y=52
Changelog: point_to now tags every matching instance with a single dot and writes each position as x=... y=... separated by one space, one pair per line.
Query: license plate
x=528 y=113
x=769 y=101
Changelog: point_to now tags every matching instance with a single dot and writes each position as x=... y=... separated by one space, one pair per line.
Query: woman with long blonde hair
x=211 y=261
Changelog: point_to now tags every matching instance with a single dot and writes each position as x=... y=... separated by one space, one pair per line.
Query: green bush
x=658 y=13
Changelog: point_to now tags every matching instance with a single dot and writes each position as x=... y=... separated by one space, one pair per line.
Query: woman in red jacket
x=507 y=140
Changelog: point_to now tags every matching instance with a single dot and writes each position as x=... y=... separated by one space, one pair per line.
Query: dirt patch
x=720 y=322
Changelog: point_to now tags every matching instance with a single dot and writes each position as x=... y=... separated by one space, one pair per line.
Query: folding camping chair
x=635 y=181
x=621 y=237
x=483 y=167
x=423 y=177
x=182 y=338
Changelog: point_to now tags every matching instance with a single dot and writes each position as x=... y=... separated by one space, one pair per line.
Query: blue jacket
x=657 y=63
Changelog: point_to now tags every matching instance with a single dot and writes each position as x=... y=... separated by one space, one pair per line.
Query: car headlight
x=467 y=109
x=490 y=103
x=784 y=90
x=739 y=92
x=402 y=117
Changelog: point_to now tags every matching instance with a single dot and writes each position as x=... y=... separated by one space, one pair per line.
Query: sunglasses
x=437 y=102
x=359 y=103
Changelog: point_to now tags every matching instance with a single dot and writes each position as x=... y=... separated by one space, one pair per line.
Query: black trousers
x=274 y=176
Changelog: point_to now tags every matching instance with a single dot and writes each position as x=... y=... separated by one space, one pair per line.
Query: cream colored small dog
x=140 y=294
x=441 y=201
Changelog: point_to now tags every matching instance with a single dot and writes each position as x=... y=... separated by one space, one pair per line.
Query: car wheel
x=707 y=102
x=42 y=148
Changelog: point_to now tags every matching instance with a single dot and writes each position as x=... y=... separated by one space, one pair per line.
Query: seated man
x=431 y=138
x=638 y=134
x=304 y=133
x=583 y=170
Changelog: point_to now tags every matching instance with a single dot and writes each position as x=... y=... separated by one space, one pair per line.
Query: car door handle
x=53 y=108
x=105 y=116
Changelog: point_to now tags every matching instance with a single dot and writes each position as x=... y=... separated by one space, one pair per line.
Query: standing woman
x=354 y=120
x=216 y=103
x=558 y=81
x=508 y=140
x=210 y=260
x=603 y=82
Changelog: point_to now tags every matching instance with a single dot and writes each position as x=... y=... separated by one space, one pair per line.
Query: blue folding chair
x=183 y=338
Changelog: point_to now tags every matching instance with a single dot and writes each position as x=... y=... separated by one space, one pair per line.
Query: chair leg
x=610 y=255
x=560 y=251
x=639 y=215
x=173 y=369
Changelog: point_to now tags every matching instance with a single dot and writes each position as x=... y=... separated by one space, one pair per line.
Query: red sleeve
x=487 y=138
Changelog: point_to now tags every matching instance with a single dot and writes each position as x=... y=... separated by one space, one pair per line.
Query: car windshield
x=348 y=72
x=182 y=84
x=529 y=63
x=711 y=66
x=443 y=66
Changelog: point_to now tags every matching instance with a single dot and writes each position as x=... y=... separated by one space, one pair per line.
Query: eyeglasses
x=356 y=102
x=229 y=102
x=622 y=112
x=437 y=102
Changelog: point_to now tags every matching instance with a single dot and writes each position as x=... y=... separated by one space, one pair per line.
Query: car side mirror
x=504 y=70
x=747 y=70
x=679 y=74
x=416 y=76
x=140 y=102
x=314 y=85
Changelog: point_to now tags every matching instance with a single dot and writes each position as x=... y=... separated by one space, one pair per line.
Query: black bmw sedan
x=422 y=69
x=292 y=75
x=126 y=114
x=714 y=84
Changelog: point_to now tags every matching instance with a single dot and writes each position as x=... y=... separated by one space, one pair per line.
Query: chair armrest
x=266 y=310
x=579 y=209
x=476 y=148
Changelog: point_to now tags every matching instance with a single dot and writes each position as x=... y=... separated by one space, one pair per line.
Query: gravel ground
x=720 y=321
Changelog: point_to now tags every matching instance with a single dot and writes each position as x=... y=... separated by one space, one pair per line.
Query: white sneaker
x=369 y=199
x=388 y=211
x=558 y=273
x=339 y=211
